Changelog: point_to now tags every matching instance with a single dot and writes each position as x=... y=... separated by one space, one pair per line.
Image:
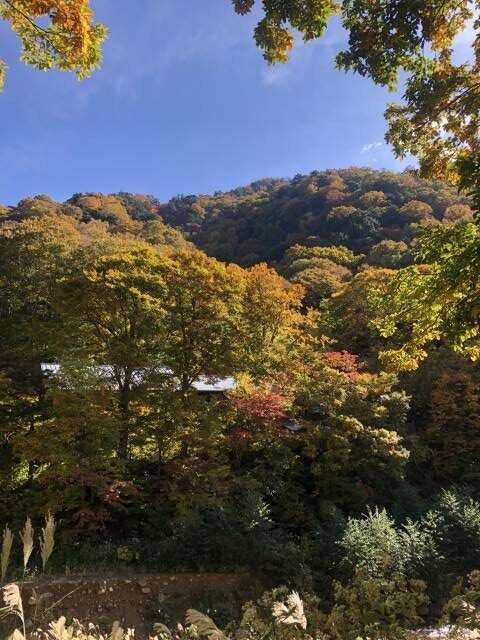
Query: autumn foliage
x=265 y=408
x=71 y=41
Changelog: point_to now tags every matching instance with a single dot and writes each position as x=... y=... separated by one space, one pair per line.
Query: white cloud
x=370 y=146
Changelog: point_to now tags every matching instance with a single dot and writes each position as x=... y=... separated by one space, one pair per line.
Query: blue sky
x=184 y=103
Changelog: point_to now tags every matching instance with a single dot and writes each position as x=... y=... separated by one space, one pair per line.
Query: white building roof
x=203 y=384
x=206 y=384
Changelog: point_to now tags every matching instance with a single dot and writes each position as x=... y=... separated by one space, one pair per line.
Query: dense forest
x=357 y=208
x=316 y=467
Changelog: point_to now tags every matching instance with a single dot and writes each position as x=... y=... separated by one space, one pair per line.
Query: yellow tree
x=348 y=314
x=111 y=314
x=270 y=318
x=201 y=303
x=34 y=253
x=58 y=34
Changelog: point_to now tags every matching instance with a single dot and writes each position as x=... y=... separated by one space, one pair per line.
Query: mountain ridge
x=356 y=207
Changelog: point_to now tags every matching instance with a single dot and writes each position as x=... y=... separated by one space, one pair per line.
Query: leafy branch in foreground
x=439 y=116
x=435 y=301
x=71 y=41
x=438 y=299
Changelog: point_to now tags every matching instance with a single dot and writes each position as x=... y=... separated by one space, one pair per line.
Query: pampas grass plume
x=47 y=539
x=6 y=549
x=27 y=539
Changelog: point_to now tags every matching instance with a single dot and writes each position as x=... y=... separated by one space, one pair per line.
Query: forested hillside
x=357 y=208
x=195 y=408
x=98 y=214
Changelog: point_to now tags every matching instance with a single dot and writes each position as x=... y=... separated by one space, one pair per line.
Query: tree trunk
x=124 y=430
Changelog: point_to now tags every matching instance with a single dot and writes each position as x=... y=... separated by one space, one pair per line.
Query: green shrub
x=454 y=523
x=463 y=608
x=377 y=546
x=236 y=534
x=376 y=608
x=258 y=623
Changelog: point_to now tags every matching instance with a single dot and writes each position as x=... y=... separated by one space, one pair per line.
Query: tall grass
x=6 y=550
x=204 y=625
x=47 y=539
x=47 y=544
x=199 y=625
x=27 y=539
x=290 y=612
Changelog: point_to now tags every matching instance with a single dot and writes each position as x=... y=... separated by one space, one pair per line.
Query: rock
x=145 y=589
x=110 y=589
x=143 y=582
x=172 y=578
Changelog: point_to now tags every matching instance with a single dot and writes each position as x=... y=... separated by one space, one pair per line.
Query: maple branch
x=450 y=103
x=24 y=15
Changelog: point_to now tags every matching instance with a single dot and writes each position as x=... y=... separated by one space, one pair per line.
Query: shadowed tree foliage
x=454 y=428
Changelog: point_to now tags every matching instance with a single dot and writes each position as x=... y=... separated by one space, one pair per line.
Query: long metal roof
x=203 y=384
